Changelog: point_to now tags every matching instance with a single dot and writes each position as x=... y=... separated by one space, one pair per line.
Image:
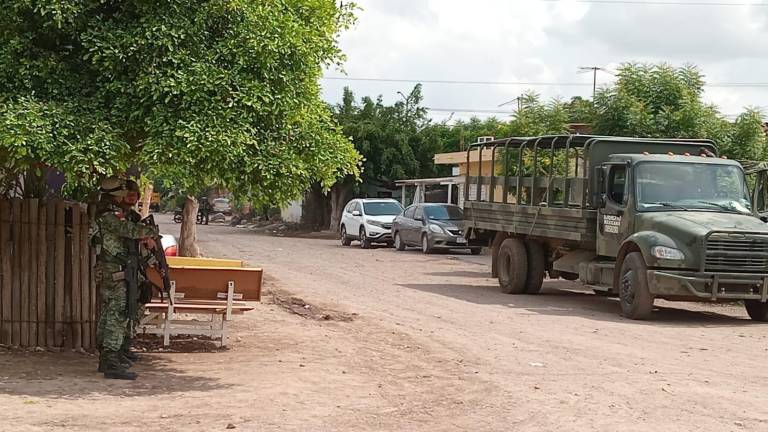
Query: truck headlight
x=663 y=252
x=436 y=228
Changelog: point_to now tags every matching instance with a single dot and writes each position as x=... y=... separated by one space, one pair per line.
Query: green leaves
x=197 y=92
x=658 y=100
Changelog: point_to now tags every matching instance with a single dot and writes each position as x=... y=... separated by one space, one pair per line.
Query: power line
x=661 y=3
x=469 y=110
x=523 y=83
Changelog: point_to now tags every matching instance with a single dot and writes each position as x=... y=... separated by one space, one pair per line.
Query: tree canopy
x=197 y=91
x=659 y=100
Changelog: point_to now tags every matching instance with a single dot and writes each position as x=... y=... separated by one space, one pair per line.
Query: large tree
x=659 y=100
x=200 y=92
x=391 y=140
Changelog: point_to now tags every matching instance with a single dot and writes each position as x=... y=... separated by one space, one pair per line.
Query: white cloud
x=532 y=41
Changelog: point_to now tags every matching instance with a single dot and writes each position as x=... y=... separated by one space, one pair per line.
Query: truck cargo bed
x=562 y=223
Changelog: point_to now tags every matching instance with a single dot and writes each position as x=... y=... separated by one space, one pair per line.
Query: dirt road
x=413 y=343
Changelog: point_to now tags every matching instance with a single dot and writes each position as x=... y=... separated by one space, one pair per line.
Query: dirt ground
x=351 y=340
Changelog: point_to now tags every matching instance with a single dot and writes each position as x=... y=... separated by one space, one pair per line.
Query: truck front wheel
x=512 y=265
x=635 y=298
x=757 y=310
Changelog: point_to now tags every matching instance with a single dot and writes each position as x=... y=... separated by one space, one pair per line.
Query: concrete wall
x=292 y=213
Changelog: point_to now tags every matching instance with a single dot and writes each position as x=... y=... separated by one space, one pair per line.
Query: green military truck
x=630 y=217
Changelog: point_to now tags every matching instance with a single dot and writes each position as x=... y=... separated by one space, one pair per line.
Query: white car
x=368 y=220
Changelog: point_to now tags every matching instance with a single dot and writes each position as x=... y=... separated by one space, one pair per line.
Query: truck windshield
x=691 y=186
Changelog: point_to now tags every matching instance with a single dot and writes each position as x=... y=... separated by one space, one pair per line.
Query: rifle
x=160 y=262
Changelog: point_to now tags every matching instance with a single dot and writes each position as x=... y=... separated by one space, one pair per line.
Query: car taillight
x=170 y=251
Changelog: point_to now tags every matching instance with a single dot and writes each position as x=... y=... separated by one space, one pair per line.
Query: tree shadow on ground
x=558 y=298
x=69 y=375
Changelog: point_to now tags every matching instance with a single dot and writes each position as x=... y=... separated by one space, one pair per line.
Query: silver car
x=431 y=226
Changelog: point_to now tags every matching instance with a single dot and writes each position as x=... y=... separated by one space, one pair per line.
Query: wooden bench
x=198 y=289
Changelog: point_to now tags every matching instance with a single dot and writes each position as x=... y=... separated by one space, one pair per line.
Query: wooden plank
x=42 y=255
x=77 y=294
x=95 y=298
x=59 y=272
x=34 y=207
x=68 y=336
x=25 y=270
x=6 y=248
x=85 y=283
x=16 y=271
x=50 y=274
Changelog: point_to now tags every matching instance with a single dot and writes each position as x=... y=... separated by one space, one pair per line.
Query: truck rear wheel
x=512 y=265
x=537 y=266
x=757 y=310
x=634 y=296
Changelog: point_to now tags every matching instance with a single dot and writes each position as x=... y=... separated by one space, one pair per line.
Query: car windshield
x=674 y=186
x=443 y=213
x=382 y=208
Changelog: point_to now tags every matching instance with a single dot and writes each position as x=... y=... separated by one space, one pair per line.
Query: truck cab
x=631 y=217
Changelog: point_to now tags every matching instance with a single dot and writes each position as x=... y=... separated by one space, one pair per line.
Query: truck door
x=613 y=225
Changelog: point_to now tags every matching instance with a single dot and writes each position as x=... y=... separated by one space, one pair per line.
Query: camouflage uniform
x=113 y=231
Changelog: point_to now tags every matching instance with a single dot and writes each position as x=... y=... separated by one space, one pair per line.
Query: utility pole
x=594 y=69
x=519 y=100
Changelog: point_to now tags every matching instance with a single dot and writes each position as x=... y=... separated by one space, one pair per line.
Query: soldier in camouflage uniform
x=146 y=258
x=112 y=232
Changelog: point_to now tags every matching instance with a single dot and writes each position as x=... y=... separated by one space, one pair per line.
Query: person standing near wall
x=114 y=276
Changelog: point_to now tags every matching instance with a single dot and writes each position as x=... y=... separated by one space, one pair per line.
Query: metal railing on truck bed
x=547 y=185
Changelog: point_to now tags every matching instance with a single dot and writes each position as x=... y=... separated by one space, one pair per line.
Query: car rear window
x=382 y=208
x=443 y=212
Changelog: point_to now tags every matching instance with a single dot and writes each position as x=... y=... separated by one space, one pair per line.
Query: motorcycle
x=178 y=216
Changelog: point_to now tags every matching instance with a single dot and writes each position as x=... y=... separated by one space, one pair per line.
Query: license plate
x=461 y=240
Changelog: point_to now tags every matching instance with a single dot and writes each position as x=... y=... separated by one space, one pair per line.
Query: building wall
x=292 y=213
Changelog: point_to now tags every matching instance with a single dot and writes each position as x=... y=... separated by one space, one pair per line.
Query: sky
x=544 y=41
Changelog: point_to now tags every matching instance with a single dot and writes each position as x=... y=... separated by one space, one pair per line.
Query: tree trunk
x=188 y=236
x=146 y=200
x=339 y=196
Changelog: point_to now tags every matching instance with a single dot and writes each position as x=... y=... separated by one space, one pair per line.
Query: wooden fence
x=48 y=293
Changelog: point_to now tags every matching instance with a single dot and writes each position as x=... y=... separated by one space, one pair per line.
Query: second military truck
x=635 y=218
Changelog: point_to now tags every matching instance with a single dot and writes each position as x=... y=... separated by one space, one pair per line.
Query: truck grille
x=737 y=253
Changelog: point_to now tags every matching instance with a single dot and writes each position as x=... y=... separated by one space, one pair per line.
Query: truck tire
x=537 y=266
x=635 y=298
x=512 y=265
x=757 y=310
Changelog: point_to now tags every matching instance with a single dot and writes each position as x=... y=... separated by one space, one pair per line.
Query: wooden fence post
x=42 y=256
x=75 y=301
x=16 y=271
x=6 y=251
x=59 y=271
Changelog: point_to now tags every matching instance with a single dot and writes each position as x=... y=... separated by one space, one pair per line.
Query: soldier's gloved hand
x=149 y=243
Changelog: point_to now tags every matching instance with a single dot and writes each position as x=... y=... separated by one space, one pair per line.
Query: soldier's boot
x=126 y=352
x=114 y=370
x=102 y=363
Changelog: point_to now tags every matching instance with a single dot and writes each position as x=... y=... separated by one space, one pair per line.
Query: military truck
x=635 y=218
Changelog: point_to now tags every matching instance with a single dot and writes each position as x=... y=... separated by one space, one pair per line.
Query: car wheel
x=345 y=240
x=178 y=218
x=399 y=245
x=512 y=265
x=634 y=296
x=365 y=242
x=425 y=246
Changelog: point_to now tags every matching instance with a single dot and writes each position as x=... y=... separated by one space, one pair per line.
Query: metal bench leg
x=169 y=316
